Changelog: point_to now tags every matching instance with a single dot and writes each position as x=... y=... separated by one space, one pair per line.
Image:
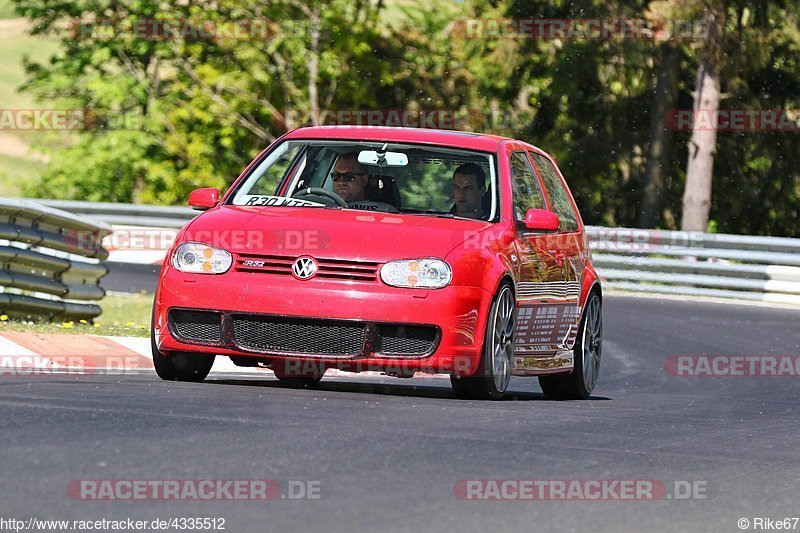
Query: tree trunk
x=664 y=99
x=703 y=143
x=313 y=69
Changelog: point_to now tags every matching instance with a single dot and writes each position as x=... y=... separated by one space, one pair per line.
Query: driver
x=350 y=181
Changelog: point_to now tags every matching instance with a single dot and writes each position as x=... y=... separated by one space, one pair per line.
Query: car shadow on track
x=427 y=390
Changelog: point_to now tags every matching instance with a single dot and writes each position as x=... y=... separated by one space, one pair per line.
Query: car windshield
x=390 y=177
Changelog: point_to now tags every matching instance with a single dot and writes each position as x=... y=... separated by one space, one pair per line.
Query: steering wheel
x=319 y=191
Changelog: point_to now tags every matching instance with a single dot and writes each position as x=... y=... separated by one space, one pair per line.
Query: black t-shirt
x=369 y=205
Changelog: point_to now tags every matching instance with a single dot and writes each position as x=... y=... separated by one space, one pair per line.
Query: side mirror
x=202 y=199
x=541 y=220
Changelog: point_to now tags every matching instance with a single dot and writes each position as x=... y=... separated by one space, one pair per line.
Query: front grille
x=326 y=268
x=202 y=326
x=407 y=340
x=302 y=336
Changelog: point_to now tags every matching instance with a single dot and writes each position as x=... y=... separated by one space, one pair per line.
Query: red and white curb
x=40 y=353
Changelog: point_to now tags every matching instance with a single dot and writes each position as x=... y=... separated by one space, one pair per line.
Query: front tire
x=579 y=384
x=181 y=366
x=497 y=358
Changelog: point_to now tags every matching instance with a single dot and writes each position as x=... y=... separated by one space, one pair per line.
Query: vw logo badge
x=304 y=268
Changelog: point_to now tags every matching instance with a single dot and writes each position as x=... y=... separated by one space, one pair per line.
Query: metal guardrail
x=48 y=259
x=127 y=214
x=744 y=267
x=655 y=261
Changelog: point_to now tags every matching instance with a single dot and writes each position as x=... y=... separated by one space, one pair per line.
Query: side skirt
x=537 y=365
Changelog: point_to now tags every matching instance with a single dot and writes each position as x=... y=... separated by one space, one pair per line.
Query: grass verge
x=17 y=164
x=14 y=171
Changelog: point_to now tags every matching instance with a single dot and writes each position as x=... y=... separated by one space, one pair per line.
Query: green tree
x=204 y=108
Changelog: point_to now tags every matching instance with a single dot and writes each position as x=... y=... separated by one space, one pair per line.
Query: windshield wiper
x=437 y=215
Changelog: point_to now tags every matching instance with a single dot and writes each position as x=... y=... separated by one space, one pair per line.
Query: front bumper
x=457 y=313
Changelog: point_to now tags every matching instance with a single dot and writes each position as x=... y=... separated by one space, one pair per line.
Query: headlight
x=417 y=273
x=198 y=258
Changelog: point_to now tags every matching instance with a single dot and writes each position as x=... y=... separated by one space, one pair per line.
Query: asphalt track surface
x=387 y=452
x=129 y=277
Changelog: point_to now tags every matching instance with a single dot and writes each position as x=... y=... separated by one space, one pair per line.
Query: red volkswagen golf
x=391 y=249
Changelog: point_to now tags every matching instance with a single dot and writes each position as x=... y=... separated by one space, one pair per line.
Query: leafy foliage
x=204 y=108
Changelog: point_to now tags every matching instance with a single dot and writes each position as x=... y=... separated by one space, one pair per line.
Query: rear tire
x=497 y=357
x=579 y=384
x=181 y=366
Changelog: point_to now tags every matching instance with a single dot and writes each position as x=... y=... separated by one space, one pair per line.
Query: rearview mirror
x=541 y=220
x=202 y=199
x=382 y=159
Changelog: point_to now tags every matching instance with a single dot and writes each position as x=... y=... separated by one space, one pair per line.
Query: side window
x=526 y=188
x=276 y=168
x=559 y=197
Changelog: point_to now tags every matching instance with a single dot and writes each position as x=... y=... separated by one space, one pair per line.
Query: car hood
x=330 y=233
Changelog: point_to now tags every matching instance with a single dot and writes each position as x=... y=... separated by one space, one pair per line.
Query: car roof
x=451 y=138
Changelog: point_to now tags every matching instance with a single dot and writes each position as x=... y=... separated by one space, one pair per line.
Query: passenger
x=469 y=188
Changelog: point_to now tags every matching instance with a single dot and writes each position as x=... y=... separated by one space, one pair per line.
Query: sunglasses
x=347 y=177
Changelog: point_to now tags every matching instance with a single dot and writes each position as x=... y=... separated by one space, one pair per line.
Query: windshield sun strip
x=283 y=191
